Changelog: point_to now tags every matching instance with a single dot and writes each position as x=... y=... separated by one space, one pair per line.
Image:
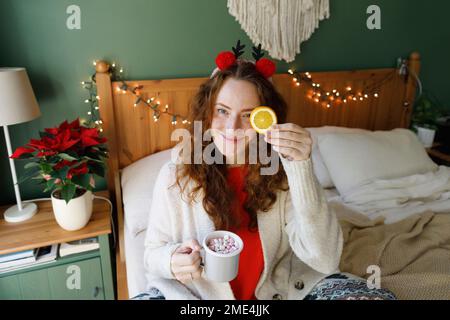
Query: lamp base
x=13 y=214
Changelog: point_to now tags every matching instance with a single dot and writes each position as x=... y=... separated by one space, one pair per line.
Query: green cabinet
x=85 y=276
x=78 y=280
x=10 y=288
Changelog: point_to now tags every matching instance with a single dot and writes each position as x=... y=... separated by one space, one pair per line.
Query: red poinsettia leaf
x=65 y=145
x=53 y=131
x=20 y=151
x=62 y=164
x=225 y=59
x=46 y=153
x=81 y=169
x=88 y=141
x=75 y=124
x=39 y=144
x=64 y=125
x=266 y=67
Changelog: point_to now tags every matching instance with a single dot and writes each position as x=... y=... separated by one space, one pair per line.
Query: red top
x=251 y=260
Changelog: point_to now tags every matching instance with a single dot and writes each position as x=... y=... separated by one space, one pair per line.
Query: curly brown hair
x=211 y=180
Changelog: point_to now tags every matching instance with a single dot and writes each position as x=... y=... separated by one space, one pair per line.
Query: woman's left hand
x=290 y=141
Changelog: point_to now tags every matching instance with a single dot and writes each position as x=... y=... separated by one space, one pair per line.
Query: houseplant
x=427 y=111
x=65 y=160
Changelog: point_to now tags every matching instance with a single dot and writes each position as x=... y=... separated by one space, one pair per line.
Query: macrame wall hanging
x=280 y=25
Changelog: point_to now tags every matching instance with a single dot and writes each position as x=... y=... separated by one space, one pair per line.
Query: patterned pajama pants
x=338 y=286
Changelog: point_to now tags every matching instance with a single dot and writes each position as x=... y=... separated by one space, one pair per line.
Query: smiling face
x=230 y=124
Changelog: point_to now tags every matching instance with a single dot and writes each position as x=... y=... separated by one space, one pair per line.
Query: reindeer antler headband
x=226 y=59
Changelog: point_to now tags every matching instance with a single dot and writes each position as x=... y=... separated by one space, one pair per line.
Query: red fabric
x=251 y=260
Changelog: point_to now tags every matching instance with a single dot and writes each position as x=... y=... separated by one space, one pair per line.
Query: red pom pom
x=225 y=60
x=266 y=67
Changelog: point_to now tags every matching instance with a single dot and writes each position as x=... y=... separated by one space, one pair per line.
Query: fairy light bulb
x=376 y=95
x=290 y=71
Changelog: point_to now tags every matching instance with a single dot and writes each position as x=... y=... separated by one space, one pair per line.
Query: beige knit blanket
x=413 y=254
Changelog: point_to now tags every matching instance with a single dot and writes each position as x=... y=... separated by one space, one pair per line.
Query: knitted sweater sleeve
x=313 y=230
x=159 y=243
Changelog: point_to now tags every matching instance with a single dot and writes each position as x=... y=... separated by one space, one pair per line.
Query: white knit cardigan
x=301 y=238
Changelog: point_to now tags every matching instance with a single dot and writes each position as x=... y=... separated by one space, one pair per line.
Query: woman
x=292 y=241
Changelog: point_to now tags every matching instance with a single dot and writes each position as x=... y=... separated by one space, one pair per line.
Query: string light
x=328 y=98
x=149 y=102
x=94 y=119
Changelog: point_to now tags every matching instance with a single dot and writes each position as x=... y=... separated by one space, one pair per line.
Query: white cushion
x=320 y=170
x=354 y=159
x=138 y=181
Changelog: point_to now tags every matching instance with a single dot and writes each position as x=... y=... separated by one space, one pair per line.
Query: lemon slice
x=262 y=118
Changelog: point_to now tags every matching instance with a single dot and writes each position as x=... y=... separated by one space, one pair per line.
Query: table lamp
x=17 y=105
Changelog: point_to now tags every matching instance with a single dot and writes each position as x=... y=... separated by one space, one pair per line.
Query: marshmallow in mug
x=223 y=245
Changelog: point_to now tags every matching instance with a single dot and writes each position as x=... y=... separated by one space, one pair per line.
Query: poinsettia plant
x=65 y=159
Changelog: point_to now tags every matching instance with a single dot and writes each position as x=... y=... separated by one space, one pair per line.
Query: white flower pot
x=426 y=136
x=75 y=214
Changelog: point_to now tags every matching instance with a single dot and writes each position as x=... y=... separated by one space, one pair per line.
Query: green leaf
x=82 y=181
x=62 y=173
x=68 y=191
x=92 y=159
x=46 y=167
x=65 y=156
x=49 y=185
x=30 y=165
x=97 y=168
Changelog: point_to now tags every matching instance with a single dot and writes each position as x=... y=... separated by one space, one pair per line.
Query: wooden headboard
x=132 y=134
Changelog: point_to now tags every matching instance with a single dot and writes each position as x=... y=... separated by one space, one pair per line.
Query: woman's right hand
x=185 y=262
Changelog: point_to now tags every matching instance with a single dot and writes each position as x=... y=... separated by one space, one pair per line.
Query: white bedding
x=134 y=258
x=397 y=199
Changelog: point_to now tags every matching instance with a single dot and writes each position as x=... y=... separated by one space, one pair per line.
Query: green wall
x=180 y=38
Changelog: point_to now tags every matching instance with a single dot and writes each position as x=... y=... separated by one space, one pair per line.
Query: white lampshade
x=17 y=100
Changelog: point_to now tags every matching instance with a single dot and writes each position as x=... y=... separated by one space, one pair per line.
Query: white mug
x=221 y=267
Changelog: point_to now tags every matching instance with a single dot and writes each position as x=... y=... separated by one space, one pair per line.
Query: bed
x=407 y=235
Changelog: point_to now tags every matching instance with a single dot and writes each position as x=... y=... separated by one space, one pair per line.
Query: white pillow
x=354 y=159
x=320 y=170
x=138 y=181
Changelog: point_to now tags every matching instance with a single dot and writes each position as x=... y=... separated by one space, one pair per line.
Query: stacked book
x=24 y=259
x=78 y=246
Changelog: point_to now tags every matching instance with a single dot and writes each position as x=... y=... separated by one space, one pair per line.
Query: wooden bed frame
x=132 y=134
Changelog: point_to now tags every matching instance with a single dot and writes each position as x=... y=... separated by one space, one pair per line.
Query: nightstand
x=438 y=155
x=50 y=281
